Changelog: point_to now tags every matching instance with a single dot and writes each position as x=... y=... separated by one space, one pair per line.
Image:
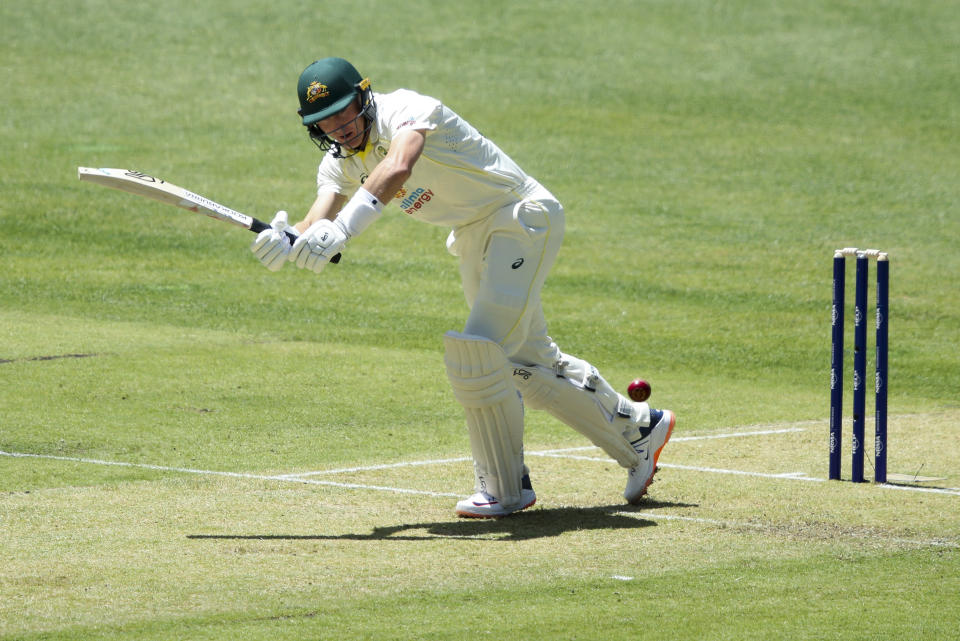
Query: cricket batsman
x=506 y=230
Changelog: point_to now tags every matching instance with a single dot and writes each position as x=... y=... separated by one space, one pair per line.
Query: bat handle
x=258 y=226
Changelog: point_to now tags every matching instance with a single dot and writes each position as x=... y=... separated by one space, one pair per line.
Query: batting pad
x=481 y=379
x=574 y=392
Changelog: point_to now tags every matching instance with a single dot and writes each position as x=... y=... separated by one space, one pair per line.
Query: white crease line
x=761 y=526
x=790 y=476
x=356 y=486
x=690 y=519
x=385 y=466
x=554 y=453
x=705 y=437
x=298 y=478
x=562 y=450
x=261 y=477
x=912 y=488
x=796 y=476
x=793 y=476
x=801 y=476
x=572 y=457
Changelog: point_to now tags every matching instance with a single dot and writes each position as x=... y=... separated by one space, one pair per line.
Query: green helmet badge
x=315 y=90
x=327 y=87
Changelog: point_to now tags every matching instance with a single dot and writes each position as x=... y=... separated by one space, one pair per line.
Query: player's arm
x=394 y=170
x=326 y=206
x=324 y=239
x=384 y=182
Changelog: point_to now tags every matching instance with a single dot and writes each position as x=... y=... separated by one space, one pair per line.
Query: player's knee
x=477 y=369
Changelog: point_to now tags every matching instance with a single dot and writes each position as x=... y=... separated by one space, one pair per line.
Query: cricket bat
x=141 y=184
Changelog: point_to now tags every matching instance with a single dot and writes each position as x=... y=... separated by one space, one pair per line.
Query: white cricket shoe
x=486 y=506
x=648 y=446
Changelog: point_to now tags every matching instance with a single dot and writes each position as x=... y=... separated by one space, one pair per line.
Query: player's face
x=346 y=127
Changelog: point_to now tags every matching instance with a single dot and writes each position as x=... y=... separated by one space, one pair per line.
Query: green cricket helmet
x=326 y=88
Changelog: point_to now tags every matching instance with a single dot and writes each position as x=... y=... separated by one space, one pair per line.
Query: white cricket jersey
x=460 y=176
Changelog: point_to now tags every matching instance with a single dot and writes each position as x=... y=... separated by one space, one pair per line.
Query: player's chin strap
x=325 y=143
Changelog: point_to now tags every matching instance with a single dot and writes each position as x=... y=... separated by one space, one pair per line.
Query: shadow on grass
x=530 y=524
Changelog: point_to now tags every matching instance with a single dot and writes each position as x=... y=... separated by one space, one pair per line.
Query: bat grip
x=258 y=226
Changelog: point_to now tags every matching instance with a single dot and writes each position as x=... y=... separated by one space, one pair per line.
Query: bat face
x=128 y=180
x=141 y=184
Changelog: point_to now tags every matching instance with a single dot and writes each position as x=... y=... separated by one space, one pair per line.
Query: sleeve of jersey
x=411 y=110
x=330 y=178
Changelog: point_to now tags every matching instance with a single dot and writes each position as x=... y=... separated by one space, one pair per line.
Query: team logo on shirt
x=315 y=91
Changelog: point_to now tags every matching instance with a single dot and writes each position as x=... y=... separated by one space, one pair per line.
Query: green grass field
x=192 y=447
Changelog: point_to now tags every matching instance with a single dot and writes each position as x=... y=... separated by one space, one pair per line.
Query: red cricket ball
x=638 y=390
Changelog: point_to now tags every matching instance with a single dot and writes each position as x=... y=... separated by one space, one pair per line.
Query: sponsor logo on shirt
x=416 y=200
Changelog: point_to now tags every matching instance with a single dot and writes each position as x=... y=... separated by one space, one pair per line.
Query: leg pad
x=481 y=380
x=574 y=392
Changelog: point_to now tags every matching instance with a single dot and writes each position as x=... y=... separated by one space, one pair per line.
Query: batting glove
x=316 y=246
x=272 y=246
